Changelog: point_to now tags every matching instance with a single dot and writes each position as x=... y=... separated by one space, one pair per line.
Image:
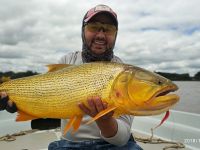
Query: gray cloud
x=163 y=36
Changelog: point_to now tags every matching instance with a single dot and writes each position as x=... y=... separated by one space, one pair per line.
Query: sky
x=158 y=35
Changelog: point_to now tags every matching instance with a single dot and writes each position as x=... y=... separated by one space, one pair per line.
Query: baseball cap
x=100 y=9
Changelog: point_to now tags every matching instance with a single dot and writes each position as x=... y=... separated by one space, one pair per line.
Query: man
x=99 y=32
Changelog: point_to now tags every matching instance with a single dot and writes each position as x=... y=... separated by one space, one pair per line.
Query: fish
x=127 y=89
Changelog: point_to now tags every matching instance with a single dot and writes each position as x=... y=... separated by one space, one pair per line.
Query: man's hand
x=95 y=106
x=5 y=103
x=107 y=124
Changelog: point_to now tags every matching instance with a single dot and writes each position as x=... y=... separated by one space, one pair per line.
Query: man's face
x=100 y=33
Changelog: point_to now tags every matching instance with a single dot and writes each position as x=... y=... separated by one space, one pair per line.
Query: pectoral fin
x=77 y=123
x=22 y=116
x=69 y=124
x=102 y=113
x=74 y=121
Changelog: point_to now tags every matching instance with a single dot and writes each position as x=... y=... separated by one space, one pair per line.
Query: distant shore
x=180 y=77
x=4 y=76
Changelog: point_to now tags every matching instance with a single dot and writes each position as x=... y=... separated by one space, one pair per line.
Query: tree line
x=181 y=77
x=5 y=76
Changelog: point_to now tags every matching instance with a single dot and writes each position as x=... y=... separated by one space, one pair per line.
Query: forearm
x=107 y=124
x=123 y=131
x=114 y=131
x=108 y=127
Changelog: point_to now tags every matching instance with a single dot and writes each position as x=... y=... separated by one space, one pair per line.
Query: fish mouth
x=162 y=100
x=166 y=91
x=165 y=95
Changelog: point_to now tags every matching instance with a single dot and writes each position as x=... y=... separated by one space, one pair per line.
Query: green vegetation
x=4 y=76
x=181 y=77
x=197 y=76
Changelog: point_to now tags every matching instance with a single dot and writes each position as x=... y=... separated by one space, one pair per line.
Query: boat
x=180 y=127
x=181 y=130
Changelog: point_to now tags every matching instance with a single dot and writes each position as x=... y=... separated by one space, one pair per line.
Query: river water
x=189 y=92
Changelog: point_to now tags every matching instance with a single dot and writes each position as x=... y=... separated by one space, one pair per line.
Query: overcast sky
x=159 y=35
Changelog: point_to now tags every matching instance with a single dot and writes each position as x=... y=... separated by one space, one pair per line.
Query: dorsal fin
x=56 y=67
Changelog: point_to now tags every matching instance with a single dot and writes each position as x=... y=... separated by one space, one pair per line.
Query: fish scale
x=60 y=90
x=126 y=88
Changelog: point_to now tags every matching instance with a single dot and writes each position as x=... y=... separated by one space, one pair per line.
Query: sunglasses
x=97 y=26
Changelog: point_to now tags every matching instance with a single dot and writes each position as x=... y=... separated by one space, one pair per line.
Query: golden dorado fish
x=127 y=89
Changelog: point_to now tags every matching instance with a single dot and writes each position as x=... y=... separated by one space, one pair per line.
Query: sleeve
x=116 y=59
x=123 y=133
x=66 y=59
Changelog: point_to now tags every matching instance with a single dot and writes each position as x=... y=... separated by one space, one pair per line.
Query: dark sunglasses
x=97 y=26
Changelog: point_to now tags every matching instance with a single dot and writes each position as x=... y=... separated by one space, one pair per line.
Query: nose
x=102 y=29
x=101 y=33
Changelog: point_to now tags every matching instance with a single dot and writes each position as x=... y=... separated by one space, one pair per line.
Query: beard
x=89 y=56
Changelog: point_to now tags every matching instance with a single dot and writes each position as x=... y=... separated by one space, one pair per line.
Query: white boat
x=181 y=127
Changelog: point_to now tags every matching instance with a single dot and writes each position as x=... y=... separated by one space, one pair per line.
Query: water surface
x=189 y=92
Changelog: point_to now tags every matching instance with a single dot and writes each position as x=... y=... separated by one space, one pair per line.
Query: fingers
x=5 y=103
x=10 y=103
x=3 y=94
x=90 y=110
x=84 y=108
x=92 y=106
x=12 y=108
x=98 y=104
x=105 y=105
x=95 y=105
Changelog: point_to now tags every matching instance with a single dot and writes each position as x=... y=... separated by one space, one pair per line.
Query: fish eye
x=159 y=82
